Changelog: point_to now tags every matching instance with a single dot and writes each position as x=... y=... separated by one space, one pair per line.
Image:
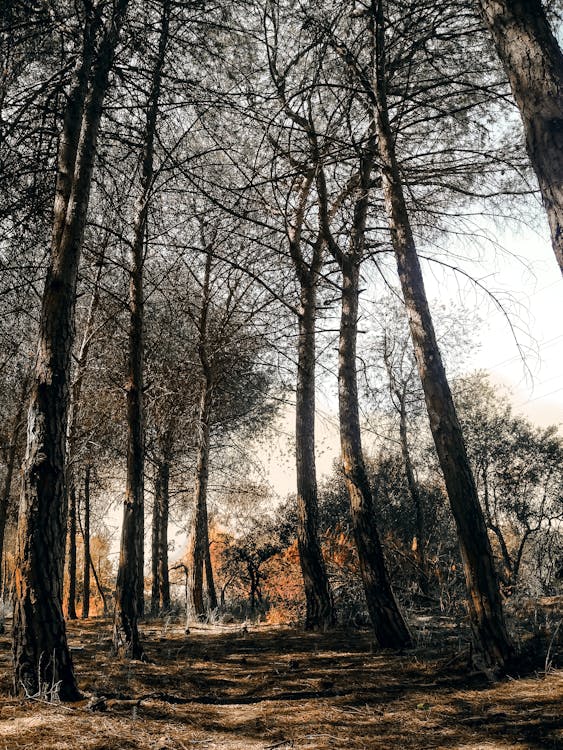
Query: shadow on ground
x=279 y=688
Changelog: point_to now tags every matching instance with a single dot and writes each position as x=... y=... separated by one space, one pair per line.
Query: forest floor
x=276 y=688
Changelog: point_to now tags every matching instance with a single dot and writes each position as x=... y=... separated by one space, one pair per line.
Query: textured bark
x=533 y=62
x=11 y=463
x=320 y=612
x=42 y=662
x=390 y=628
x=129 y=598
x=484 y=601
x=87 y=555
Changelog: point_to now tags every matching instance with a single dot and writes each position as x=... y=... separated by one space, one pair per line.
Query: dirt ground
x=274 y=687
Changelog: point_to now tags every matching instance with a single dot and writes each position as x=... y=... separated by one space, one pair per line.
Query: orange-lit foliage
x=283 y=586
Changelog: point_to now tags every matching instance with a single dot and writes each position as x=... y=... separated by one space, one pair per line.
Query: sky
x=528 y=358
x=521 y=347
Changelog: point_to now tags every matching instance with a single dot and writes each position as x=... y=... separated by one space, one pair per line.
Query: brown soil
x=280 y=688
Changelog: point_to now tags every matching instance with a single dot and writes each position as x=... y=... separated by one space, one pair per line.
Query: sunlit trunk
x=390 y=628
x=485 y=609
x=41 y=655
x=129 y=598
x=320 y=606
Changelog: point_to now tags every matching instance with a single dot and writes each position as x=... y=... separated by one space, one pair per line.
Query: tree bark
x=320 y=612
x=87 y=555
x=484 y=602
x=129 y=599
x=533 y=62
x=390 y=628
x=42 y=661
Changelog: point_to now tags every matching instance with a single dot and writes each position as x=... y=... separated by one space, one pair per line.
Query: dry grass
x=280 y=688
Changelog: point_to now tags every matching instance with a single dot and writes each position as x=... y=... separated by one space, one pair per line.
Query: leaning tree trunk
x=484 y=602
x=11 y=461
x=199 y=534
x=129 y=597
x=390 y=628
x=318 y=595
x=533 y=62
x=86 y=540
x=42 y=662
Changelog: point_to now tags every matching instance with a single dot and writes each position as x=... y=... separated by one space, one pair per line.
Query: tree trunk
x=320 y=612
x=130 y=582
x=72 y=429
x=160 y=597
x=129 y=599
x=198 y=553
x=533 y=63
x=87 y=556
x=11 y=461
x=71 y=562
x=209 y=581
x=199 y=535
x=484 y=600
x=99 y=586
x=42 y=662
x=390 y=628
x=163 y=539
x=155 y=545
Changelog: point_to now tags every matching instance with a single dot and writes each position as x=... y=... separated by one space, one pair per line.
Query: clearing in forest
x=273 y=687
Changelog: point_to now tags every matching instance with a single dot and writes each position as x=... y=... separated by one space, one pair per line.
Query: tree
x=533 y=62
x=306 y=250
x=233 y=385
x=42 y=660
x=484 y=603
x=129 y=601
x=518 y=472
